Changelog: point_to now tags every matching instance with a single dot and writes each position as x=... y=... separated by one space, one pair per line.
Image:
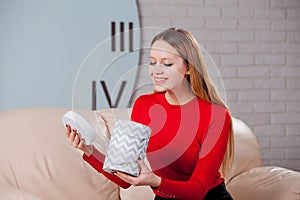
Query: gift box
x=128 y=142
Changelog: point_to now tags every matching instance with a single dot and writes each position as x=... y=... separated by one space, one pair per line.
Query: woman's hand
x=146 y=177
x=78 y=142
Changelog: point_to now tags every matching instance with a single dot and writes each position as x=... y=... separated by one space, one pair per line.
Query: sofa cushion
x=110 y=116
x=11 y=193
x=137 y=193
x=262 y=183
x=37 y=158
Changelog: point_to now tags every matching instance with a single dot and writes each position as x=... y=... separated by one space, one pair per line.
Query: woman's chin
x=160 y=88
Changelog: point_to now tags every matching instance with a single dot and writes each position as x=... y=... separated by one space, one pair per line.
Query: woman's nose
x=158 y=69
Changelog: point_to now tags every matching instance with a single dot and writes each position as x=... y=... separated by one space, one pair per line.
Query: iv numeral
x=106 y=93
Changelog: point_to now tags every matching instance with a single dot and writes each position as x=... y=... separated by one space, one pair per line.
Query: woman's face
x=167 y=69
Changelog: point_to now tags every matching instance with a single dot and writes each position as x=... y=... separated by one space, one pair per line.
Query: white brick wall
x=256 y=46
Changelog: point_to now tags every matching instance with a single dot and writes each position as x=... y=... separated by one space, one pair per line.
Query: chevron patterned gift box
x=129 y=140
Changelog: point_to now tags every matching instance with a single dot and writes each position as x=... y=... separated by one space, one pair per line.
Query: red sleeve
x=96 y=161
x=208 y=164
x=138 y=113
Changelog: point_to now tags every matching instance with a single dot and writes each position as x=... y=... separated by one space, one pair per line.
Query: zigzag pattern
x=129 y=141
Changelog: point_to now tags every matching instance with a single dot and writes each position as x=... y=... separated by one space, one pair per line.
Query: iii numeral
x=122 y=35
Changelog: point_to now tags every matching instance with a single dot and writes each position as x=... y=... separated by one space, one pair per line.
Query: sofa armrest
x=262 y=183
x=8 y=192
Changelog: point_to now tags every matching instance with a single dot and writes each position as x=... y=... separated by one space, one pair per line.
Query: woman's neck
x=180 y=98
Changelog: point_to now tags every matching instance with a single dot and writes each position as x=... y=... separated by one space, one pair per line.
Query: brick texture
x=256 y=48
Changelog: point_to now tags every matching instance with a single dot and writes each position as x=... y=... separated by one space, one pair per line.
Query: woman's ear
x=187 y=70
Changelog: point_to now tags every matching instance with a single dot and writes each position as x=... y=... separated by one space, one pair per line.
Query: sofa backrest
x=247 y=153
x=37 y=160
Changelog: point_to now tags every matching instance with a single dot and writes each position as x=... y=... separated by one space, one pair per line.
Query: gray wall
x=44 y=44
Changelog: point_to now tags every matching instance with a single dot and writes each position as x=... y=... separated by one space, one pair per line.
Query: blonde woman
x=191 y=142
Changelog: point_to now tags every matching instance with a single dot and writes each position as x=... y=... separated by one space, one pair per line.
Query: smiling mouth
x=160 y=80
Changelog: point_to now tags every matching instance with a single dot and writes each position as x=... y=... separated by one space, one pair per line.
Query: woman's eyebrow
x=161 y=58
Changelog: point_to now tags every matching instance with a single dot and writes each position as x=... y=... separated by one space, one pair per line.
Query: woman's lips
x=160 y=80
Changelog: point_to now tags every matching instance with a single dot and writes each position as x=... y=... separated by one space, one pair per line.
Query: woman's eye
x=168 y=65
x=152 y=63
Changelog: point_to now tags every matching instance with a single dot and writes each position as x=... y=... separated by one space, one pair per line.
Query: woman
x=192 y=137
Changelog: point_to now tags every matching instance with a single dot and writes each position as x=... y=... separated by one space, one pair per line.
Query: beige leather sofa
x=37 y=162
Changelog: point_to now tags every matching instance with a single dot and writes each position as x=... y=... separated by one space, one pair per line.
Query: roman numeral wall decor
x=122 y=36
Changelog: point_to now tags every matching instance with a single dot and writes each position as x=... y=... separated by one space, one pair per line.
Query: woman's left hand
x=146 y=177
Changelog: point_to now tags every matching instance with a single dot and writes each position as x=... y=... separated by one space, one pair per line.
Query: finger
x=68 y=130
x=72 y=137
x=142 y=164
x=75 y=130
x=140 y=161
x=125 y=177
x=81 y=144
x=74 y=133
x=144 y=168
x=76 y=140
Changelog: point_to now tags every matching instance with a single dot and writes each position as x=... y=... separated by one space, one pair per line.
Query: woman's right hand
x=76 y=141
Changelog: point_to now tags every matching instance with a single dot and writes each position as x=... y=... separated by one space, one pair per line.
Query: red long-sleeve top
x=186 y=147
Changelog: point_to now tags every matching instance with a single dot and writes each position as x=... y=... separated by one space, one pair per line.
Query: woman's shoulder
x=142 y=106
x=212 y=107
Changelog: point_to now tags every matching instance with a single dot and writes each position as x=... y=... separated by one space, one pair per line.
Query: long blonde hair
x=199 y=79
